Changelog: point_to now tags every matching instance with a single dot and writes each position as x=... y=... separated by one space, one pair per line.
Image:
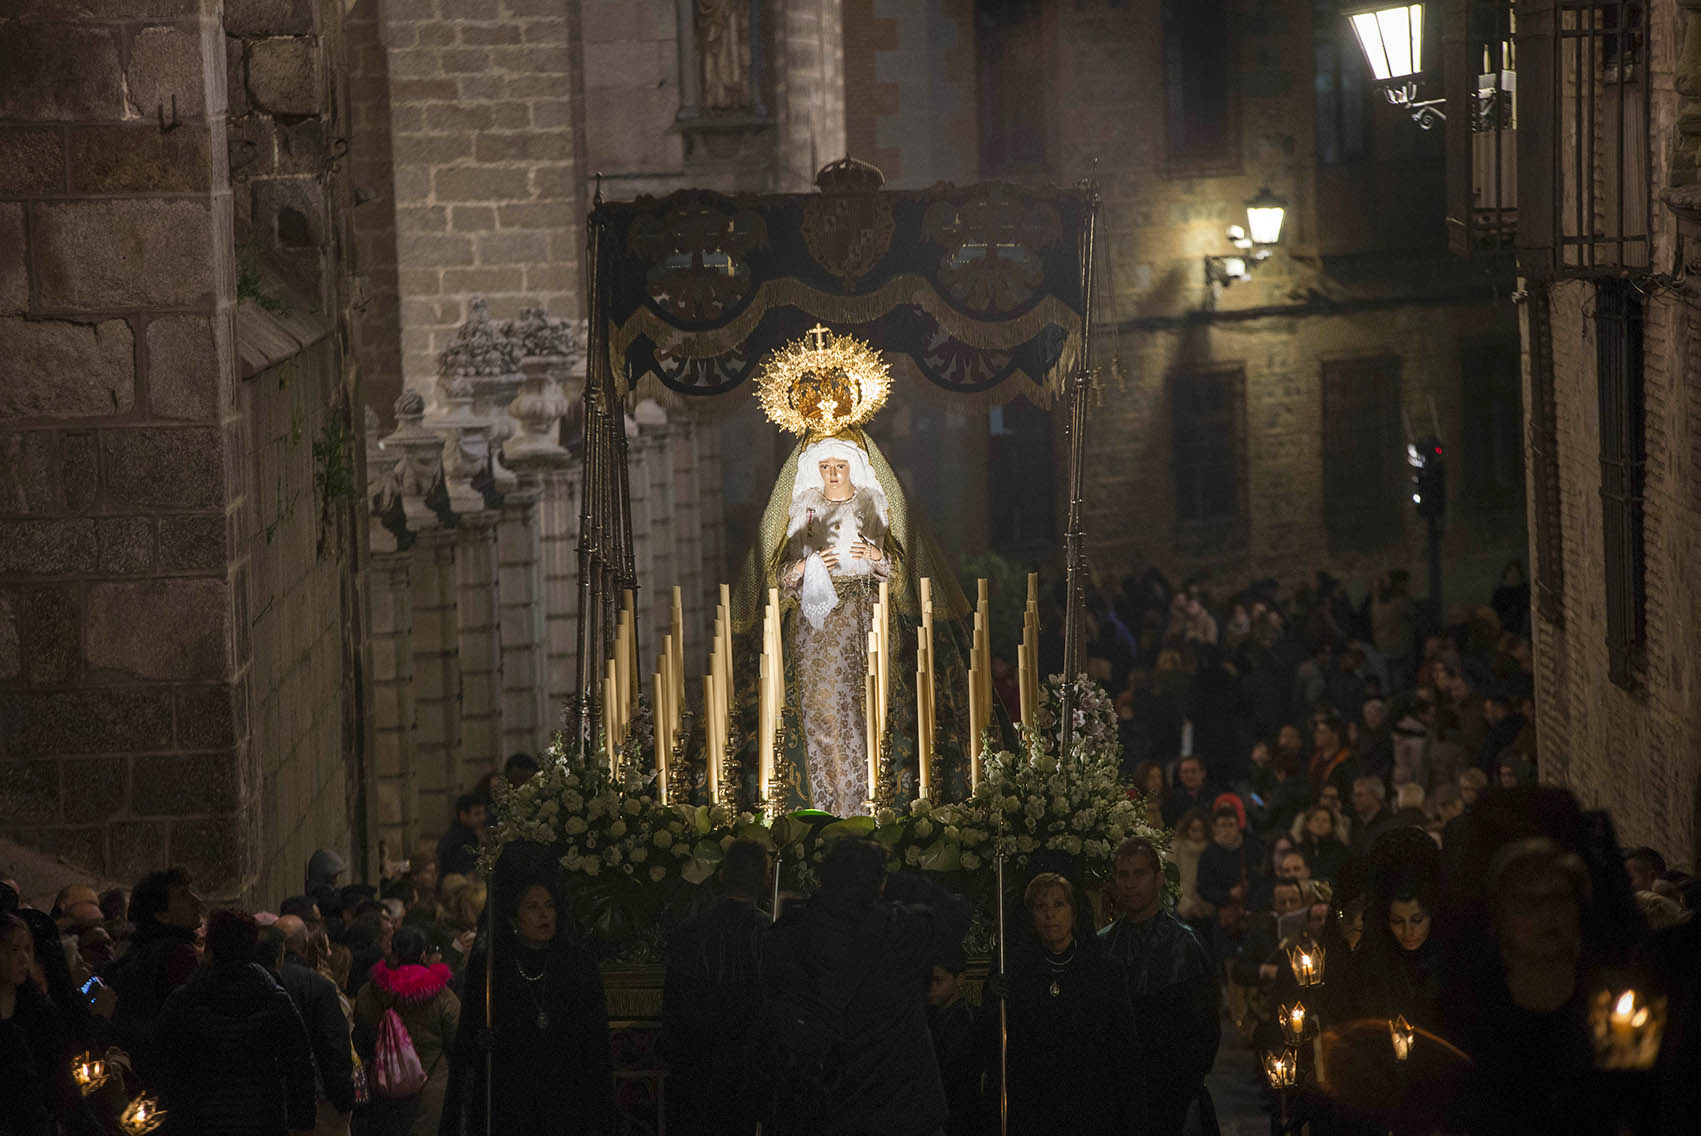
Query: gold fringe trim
x=993 y=335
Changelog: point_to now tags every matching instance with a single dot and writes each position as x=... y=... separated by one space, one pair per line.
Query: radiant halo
x=822 y=384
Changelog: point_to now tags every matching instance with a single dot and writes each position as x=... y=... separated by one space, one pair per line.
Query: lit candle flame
x=1626 y=1004
x=1403 y=1035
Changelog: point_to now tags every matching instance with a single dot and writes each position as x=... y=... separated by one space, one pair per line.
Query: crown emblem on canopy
x=822 y=384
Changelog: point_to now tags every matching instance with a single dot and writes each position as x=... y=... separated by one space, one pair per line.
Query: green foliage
x=248 y=286
x=333 y=471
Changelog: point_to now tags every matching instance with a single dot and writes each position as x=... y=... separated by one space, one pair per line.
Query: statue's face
x=835 y=479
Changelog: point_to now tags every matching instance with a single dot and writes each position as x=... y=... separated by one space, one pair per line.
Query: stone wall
x=484 y=187
x=172 y=621
x=119 y=732
x=1631 y=749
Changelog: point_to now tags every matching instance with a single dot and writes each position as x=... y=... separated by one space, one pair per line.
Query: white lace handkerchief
x=818 y=597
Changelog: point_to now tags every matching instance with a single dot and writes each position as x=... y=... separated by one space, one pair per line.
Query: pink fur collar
x=411 y=982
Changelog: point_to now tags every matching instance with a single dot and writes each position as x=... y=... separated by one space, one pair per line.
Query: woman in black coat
x=552 y=1069
x=1073 y=1058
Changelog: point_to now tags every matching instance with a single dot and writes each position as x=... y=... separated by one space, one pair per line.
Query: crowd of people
x=1337 y=779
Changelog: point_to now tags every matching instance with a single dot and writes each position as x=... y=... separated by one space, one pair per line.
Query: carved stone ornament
x=481 y=346
x=419 y=462
x=541 y=336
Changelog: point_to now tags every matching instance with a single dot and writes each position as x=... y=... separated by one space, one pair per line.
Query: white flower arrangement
x=1030 y=804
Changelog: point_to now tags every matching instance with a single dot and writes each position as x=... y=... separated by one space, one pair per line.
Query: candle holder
x=680 y=782
x=732 y=773
x=1306 y=961
x=1628 y=1027
x=1401 y=1033
x=89 y=1072
x=886 y=792
x=1296 y=1021
x=141 y=1116
x=775 y=789
x=1281 y=1068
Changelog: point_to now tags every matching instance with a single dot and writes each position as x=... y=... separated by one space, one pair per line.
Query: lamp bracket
x=1424 y=112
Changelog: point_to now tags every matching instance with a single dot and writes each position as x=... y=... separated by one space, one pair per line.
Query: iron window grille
x=1623 y=447
x=1601 y=152
x=1208 y=431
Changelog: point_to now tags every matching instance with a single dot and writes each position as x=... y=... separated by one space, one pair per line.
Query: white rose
x=632 y=807
x=662 y=838
x=658 y=874
x=970 y=861
x=617 y=829
x=592 y=866
x=575 y=826
x=639 y=854
x=923 y=829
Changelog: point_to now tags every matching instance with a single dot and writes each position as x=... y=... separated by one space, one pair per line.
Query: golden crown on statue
x=822 y=384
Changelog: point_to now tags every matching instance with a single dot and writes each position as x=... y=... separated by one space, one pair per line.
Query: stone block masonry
x=171 y=620
x=487 y=186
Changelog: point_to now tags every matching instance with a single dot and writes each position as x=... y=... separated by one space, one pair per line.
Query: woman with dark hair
x=1147 y=786
x=1073 y=1059
x=1324 y=852
x=36 y=1092
x=1398 y=961
x=419 y=994
x=548 y=1040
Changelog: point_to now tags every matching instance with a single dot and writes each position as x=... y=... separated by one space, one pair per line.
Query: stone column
x=395 y=804
x=437 y=680
x=558 y=530
x=519 y=552
x=478 y=636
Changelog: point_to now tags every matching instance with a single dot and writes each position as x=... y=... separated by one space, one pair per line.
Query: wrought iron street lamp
x=1254 y=243
x=1391 y=36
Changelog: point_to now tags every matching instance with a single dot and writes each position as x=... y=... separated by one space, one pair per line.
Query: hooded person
x=323 y=868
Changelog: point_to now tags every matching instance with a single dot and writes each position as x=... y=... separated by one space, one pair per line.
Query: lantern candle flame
x=89 y=1072
x=1402 y=1034
x=1280 y=1068
x=1293 y=1021
x=1306 y=961
x=143 y=1115
x=1628 y=1029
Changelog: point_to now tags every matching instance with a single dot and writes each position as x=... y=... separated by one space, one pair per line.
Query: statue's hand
x=862 y=550
x=830 y=557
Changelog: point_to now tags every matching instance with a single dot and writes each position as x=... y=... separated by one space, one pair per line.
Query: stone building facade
x=1613 y=388
x=1248 y=430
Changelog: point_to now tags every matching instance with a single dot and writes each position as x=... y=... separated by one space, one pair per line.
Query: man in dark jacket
x=316 y=1000
x=856 y=963
x=166 y=913
x=457 y=848
x=1172 y=984
x=234 y=1055
x=714 y=978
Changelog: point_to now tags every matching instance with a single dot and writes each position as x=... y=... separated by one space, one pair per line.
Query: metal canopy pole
x=1074 y=615
x=590 y=550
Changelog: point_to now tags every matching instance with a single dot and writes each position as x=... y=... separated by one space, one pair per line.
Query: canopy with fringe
x=975 y=290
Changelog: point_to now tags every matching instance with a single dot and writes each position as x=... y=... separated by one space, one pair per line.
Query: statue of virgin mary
x=838 y=523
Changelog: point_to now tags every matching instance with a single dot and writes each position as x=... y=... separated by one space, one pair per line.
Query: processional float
x=978 y=294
